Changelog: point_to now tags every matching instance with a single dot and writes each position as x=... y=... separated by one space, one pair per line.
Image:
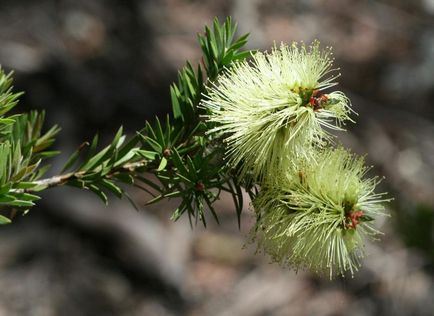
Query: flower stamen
x=317 y=100
x=353 y=219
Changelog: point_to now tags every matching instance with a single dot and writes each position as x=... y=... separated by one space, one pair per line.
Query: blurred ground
x=95 y=65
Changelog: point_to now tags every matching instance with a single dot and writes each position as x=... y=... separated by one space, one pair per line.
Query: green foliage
x=23 y=149
x=8 y=100
x=185 y=161
x=103 y=171
x=185 y=157
x=220 y=49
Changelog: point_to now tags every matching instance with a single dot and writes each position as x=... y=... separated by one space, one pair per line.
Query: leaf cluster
x=220 y=50
x=171 y=158
x=23 y=150
x=189 y=163
x=105 y=170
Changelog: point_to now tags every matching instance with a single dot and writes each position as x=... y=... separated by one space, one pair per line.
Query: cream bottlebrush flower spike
x=273 y=108
x=317 y=215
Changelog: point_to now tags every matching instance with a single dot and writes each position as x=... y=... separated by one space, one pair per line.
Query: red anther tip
x=354 y=218
x=199 y=186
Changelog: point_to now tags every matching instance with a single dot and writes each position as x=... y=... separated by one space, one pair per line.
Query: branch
x=185 y=160
x=59 y=180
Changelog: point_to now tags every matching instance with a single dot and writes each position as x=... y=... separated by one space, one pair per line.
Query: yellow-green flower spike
x=273 y=108
x=316 y=215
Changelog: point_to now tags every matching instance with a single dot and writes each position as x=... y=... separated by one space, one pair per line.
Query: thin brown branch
x=59 y=180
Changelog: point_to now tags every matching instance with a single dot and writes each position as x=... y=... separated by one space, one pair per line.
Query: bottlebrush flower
x=274 y=107
x=317 y=215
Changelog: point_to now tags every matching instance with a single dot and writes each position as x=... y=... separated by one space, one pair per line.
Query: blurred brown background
x=96 y=65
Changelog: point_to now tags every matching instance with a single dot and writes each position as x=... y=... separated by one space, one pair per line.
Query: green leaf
x=125 y=178
x=4 y=189
x=46 y=154
x=25 y=171
x=24 y=185
x=77 y=183
x=176 y=158
x=176 y=108
x=4 y=220
x=5 y=199
x=99 y=193
x=39 y=173
x=20 y=203
x=39 y=187
x=242 y=55
x=154 y=145
x=227 y=59
x=129 y=146
x=112 y=187
x=179 y=211
x=127 y=157
x=95 y=160
x=74 y=157
x=26 y=196
x=239 y=208
x=150 y=131
x=155 y=200
x=211 y=208
x=150 y=155
x=7 y=121
x=93 y=145
x=119 y=138
x=163 y=164
x=240 y=42
x=237 y=197
x=159 y=133
x=186 y=180
x=174 y=194
x=47 y=139
x=192 y=171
